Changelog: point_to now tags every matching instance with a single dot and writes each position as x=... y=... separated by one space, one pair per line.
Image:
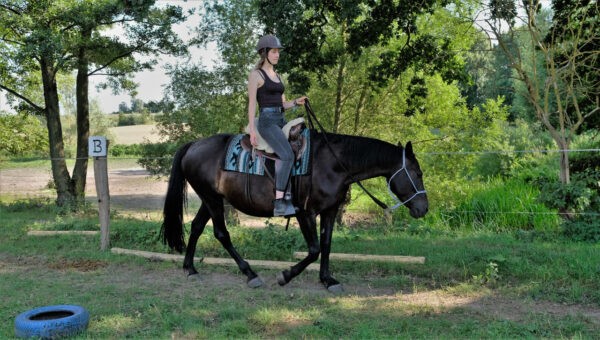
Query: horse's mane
x=364 y=151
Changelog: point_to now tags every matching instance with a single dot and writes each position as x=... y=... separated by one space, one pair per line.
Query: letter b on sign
x=97 y=146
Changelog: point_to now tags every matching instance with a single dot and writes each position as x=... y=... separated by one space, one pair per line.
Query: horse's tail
x=172 y=227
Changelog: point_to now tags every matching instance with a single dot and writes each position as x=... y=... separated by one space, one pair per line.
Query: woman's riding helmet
x=267 y=42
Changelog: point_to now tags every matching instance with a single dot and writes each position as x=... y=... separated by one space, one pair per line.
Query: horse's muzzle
x=418 y=208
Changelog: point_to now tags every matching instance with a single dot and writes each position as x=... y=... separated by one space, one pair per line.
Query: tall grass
x=505 y=205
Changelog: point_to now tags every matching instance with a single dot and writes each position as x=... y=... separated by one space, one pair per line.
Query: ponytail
x=261 y=61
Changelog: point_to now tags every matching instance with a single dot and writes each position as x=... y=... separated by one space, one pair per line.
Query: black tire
x=52 y=322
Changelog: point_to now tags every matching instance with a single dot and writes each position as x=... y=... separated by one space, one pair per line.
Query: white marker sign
x=97 y=146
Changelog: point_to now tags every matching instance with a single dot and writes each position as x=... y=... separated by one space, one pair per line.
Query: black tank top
x=269 y=95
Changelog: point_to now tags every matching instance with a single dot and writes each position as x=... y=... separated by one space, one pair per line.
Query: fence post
x=97 y=148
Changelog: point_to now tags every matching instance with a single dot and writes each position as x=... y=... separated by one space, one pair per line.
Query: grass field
x=134 y=134
x=473 y=284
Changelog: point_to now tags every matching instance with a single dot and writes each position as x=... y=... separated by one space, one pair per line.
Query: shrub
x=157 y=158
x=121 y=150
x=579 y=201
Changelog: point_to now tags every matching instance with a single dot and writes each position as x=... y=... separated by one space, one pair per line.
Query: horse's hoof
x=281 y=279
x=255 y=282
x=336 y=288
x=194 y=277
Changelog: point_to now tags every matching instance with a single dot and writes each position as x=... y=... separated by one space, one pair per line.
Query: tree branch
x=23 y=98
x=10 y=9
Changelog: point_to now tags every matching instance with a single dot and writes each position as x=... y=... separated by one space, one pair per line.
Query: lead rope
x=311 y=116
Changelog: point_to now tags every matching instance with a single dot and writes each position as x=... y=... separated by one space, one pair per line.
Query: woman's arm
x=292 y=103
x=253 y=84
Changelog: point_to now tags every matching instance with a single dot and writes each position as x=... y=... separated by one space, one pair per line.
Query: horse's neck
x=366 y=158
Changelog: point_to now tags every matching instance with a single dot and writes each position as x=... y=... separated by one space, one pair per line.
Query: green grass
x=133 y=297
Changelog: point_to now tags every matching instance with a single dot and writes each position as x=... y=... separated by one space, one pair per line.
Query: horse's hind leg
x=198 y=225
x=221 y=233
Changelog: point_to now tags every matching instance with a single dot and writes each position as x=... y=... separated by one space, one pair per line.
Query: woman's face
x=273 y=55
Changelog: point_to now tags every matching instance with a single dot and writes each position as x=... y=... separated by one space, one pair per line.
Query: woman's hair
x=261 y=61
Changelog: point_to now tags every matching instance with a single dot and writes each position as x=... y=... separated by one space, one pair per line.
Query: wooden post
x=98 y=149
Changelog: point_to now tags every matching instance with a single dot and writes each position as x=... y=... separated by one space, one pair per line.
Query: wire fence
x=28 y=176
x=491 y=152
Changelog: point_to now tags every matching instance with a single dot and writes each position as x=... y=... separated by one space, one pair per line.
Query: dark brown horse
x=337 y=162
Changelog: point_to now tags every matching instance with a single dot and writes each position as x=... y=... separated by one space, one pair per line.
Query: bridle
x=397 y=201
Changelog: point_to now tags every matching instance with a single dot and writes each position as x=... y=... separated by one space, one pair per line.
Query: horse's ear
x=400 y=145
x=409 y=149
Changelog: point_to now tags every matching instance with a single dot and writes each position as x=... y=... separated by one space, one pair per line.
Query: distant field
x=134 y=134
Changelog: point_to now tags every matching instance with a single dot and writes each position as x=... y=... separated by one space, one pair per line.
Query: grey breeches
x=269 y=127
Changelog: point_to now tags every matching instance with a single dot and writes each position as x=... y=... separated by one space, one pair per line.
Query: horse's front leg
x=198 y=225
x=327 y=222
x=308 y=226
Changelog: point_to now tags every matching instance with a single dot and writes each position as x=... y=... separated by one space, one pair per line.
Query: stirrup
x=283 y=207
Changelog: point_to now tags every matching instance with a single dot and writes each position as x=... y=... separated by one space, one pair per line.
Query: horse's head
x=406 y=183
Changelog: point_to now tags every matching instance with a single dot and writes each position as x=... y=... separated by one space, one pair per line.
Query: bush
x=579 y=201
x=127 y=119
x=585 y=228
x=157 y=158
x=121 y=150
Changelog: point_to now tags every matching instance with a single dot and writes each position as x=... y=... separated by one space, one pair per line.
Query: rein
x=312 y=116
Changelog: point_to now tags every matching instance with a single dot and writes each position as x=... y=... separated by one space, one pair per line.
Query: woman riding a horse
x=266 y=88
x=336 y=161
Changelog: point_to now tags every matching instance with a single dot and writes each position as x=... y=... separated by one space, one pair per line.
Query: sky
x=151 y=83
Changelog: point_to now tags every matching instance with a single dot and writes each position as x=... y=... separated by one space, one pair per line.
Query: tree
x=568 y=47
x=123 y=108
x=42 y=38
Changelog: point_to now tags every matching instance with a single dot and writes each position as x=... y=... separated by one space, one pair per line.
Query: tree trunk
x=359 y=108
x=565 y=171
x=60 y=173
x=83 y=122
x=338 y=96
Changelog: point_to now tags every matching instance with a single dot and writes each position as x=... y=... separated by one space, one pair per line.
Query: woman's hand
x=300 y=101
x=253 y=139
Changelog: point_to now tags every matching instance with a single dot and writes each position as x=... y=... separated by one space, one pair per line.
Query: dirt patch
x=77 y=265
x=130 y=188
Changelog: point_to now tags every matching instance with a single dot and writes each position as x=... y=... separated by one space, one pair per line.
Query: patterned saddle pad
x=239 y=159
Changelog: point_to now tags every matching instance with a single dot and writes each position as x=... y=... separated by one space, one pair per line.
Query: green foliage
x=22 y=135
x=489 y=276
x=122 y=150
x=157 y=158
x=128 y=119
x=579 y=201
x=271 y=242
x=306 y=24
x=505 y=206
